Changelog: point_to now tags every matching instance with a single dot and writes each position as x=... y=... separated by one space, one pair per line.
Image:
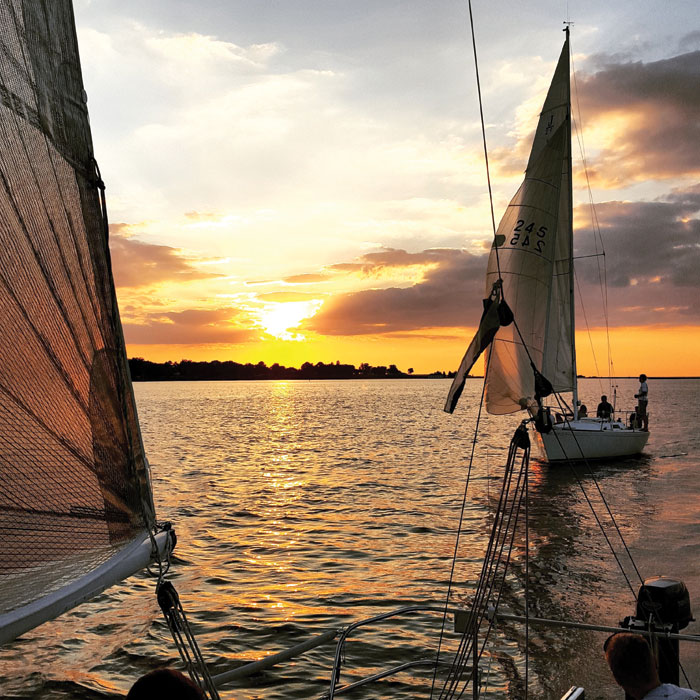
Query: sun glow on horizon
x=278 y=319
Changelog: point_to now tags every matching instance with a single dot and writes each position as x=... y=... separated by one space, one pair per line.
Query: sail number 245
x=527 y=236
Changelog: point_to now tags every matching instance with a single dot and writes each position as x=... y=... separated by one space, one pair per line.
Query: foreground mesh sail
x=532 y=255
x=74 y=487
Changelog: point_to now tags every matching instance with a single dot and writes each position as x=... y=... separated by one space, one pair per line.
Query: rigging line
x=520 y=491
x=467 y=637
x=593 y=511
x=527 y=581
x=588 y=331
x=123 y=383
x=490 y=570
x=514 y=512
x=479 y=605
x=459 y=527
x=597 y=236
x=483 y=134
x=619 y=533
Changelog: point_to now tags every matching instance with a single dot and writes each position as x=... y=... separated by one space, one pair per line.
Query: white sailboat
x=76 y=509
x=531 y=274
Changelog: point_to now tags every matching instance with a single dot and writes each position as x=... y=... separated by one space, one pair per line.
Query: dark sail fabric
x=496 y=314
x=74 y=485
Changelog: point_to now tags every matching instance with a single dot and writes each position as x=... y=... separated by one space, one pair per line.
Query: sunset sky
x=303 y=180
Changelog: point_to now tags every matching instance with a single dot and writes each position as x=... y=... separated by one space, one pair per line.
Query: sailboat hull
x=591 y=439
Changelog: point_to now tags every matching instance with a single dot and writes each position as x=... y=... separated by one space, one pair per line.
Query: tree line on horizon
x=188 y=370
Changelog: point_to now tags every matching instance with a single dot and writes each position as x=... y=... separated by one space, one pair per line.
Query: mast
x=572 y=305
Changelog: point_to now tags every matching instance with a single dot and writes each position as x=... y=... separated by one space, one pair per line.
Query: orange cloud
x=452 y=284
x=139 y=264
x=191 y=326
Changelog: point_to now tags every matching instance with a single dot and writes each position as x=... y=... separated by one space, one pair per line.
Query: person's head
x=642 y=377
x=603 y=398
x=632 y=663
x=165 y=684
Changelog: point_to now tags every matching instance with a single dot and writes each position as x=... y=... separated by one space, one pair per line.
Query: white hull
x=591 y=438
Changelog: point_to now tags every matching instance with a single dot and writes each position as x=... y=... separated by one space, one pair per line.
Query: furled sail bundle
x=532 y=255
x=75 y=501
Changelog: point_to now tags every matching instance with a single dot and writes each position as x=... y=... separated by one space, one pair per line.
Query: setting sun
x=279 y=319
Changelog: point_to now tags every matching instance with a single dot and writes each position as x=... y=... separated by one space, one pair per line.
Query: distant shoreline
x=215 y=370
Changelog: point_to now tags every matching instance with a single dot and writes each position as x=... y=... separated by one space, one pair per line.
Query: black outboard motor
x=663 y=604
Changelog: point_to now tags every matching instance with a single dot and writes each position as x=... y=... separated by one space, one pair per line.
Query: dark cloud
x=449 y=296
x=649 y=240
x=653 y=275
x=653 y=108
x=139 y=264
x=189 y=327
x=653 y=258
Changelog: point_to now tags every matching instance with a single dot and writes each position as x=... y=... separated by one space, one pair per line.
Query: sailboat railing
x=547 y=622
x=345 y=633
x=461 y=615
x=221 y=679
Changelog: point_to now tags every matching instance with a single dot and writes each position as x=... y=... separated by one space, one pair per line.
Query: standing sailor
x=642 y=400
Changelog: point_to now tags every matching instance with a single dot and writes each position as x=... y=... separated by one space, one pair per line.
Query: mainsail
x=532 y=255
x=74 y=487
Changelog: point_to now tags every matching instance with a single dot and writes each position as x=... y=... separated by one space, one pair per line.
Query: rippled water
x=301 y=506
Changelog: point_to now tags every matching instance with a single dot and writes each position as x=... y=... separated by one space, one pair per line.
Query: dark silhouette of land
x=187 y=370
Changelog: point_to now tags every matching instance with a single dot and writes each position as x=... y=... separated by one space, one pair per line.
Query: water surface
x=301 y=506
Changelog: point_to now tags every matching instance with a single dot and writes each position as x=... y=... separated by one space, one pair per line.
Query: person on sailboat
x=605 y=408
x=642 y=398
x=633 y=666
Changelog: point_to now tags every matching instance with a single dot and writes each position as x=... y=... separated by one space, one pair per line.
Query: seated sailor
x=634 y=668
x=605 y=408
